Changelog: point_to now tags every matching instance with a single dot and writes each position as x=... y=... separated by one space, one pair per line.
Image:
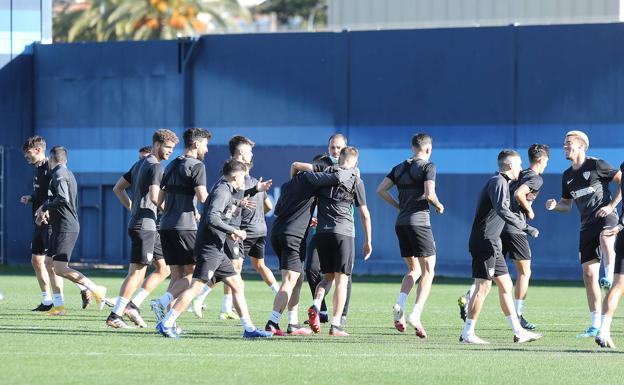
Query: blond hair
x=581 y=136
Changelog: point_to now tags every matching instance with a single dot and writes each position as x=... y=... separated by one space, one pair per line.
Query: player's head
x=335 y=144
x=321 y=162
x=58 y=155
x=576 y=143
x=234 y=172
x=164 y=141
x=421 y=145
x=241 y=149
x=197 y=139
x=348 y=157
x=144 y=151
x=34 y=149
x=510 y=163
x=538 y=156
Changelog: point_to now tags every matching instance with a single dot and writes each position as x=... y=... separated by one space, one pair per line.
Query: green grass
x=79 y=349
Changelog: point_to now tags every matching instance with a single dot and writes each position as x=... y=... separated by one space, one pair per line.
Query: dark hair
x=145 y=149
x=237 y=141
x=420 y=140
x=58 y=154
x=504 y=154
x=337 y=136
x=231 y=166
x=34 y=142
x=193 y=134
x=537 y=151
x=162 y=135
x=321 y=162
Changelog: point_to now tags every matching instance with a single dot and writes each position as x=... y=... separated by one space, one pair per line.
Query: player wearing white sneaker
x=485 y=246
x=415 y=182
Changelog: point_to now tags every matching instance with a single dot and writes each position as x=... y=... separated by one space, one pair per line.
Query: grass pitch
x=80 y=349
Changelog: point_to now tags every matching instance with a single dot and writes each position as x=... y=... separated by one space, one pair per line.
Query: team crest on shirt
x=586 y=175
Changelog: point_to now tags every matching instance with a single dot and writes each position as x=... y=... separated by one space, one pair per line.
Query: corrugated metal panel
x=387 y=14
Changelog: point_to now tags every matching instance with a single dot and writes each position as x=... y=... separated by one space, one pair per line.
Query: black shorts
x=145 y=246
x=290 y=250
x=619 y=253
x=40 y=240
x=488 y=261
x=254 y=247
x=415 y=241
x=589 y=238
x=336 y=252
x=212 y=264
x=177 y=246
x=234 y=249
x=516 y=246
x=62 y=245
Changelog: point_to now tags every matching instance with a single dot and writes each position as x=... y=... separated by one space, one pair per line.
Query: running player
x=212 y=264
x=335 y=236
x=241 y=149
x=293 y=212
x=60 y=212
x=612 y=299
x=415 y=181
x=146 y=249
x=34 y=152
x=488 y=262
x=182 y=186
x=586 y=182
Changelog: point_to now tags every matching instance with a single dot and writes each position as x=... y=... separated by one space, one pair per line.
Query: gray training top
x=410 y=177
x=335 y=214
x=253 y=221
x=145 y=173
x=492 y=214
x=180 y=178
x=218 y=213
x=62 y=201
x=534 y=182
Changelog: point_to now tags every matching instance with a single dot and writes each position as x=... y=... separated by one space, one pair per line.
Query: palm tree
x=105 y=20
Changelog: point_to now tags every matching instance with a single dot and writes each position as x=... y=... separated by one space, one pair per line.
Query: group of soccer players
x=198 y=250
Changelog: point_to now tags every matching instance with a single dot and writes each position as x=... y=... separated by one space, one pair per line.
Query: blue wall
x=475 y=90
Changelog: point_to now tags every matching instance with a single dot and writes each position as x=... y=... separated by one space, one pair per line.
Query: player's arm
x=157 y=196
x=325 y=179
x=366 y=224
x=218 y=203
x=60 y=199
x=383 y=190
x=521 y=196
x=198 y=174
x=499 y=195
x=564 y=205
x=608 y=209
x=432 y=197
x=297 y=167
x=268 y=204
x=120 y=192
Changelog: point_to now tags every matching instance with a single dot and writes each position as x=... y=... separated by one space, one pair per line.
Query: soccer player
x=34 y=151
x=293 y=212
x=335 y=236
x=212 y=265
x=144 y=177
x=488 y=262
x=586 y=182
x=415 y=181
x=515 y=243
x=182 y=186
x=59 y=211
x=313 y=272
x=241 y=149
x=612 y=299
